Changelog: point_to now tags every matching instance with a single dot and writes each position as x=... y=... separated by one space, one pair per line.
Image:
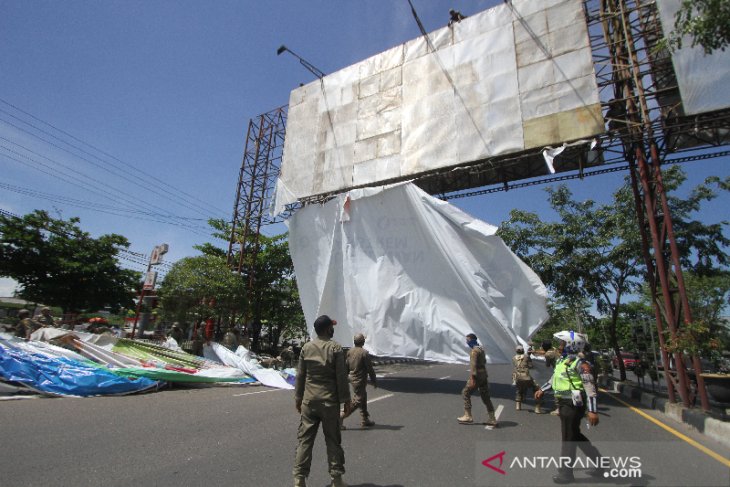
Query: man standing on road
x=521 y=365
x=360 y=367
x=551 y=358
x=477 y=379
x=575 y=390
x=321 y=386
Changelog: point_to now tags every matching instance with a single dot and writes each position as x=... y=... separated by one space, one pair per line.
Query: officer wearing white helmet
x=575 y=391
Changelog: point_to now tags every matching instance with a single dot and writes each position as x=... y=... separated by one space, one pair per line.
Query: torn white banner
x=550 y=154
x=414 y=274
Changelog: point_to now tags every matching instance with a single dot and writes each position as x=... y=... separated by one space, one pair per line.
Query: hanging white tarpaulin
x=413 y=273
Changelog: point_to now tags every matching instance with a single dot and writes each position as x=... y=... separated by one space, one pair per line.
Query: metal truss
x=645 y=113
x=256 y=185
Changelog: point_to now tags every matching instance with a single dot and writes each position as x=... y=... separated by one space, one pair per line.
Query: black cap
x=322 y=323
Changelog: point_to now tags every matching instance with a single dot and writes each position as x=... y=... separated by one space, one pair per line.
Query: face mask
x=520 y=352
x=472 y=343
x=331 y=331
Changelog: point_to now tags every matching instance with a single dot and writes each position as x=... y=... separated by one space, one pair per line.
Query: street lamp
x=310 y=67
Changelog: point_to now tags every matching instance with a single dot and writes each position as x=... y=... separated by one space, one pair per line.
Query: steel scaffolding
x=256 y=184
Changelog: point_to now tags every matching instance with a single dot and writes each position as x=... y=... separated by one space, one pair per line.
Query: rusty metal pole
x=661 y=270
x=674 y=255
x=652 y=281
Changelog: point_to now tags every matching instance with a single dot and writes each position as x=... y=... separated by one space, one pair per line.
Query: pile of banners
x=63 y=363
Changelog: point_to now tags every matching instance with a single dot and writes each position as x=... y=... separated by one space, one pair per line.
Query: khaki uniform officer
x=360 y=367
x=321 y=387
x=26 y=325
x=45 y=318
x=522 y=379
x=477 y=379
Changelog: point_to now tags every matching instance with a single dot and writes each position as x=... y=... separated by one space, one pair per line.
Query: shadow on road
x=421 y=385
x=377 y=427
x=500 y=424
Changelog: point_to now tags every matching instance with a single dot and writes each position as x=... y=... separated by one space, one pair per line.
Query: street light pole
x=310 y=67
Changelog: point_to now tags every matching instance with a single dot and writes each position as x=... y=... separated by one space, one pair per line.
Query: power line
x=94 y=206
x=110 y=155
x=137 y=179
x=51 y=171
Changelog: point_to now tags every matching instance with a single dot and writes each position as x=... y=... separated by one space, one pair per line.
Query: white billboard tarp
x=514 y=77
x=414 y=274
x=702 y=78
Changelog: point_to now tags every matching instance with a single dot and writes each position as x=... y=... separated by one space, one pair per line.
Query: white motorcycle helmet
x=574 y=342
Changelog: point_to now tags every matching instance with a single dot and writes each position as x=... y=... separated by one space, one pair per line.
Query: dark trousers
x=570 y=418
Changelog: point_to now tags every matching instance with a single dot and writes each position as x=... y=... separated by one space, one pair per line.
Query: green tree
x=276 y=294
x=709 y=296
x=594 y=251
x=197 y=288
x=270 y=302
x=575 y=316
x=706 y=22
x=58 y=264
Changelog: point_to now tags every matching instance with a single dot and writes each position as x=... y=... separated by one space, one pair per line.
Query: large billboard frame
x=504 y=83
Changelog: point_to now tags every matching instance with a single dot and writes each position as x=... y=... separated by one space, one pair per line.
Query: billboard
x=702 y=78
x=514 y=77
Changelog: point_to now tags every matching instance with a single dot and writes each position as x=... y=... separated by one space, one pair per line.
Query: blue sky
x=118 y=106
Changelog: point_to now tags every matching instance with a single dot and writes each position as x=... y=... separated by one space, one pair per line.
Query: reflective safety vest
x=566 y=377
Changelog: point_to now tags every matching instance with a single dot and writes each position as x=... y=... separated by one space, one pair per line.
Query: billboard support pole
x=665 y=264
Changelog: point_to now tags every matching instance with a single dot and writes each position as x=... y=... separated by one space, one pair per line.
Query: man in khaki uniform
x=321 y=386
x=477 y=379
x=230 y=340
x=176 y=333
x=522 y=379
x=26 y=325
x=45 y=318
x=360 y=367
x=551 y=358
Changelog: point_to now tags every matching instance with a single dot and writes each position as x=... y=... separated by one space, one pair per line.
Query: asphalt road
x=246 y=435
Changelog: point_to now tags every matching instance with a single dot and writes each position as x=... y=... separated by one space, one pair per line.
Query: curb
x=390 y=361
x=714 y=428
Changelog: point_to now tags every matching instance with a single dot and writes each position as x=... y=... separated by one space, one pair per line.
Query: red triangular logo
x=487 y=462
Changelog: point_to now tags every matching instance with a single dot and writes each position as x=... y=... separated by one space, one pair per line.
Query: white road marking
x=445 y=377
x=380 y=397
x=497 y=412
x=260 y=392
